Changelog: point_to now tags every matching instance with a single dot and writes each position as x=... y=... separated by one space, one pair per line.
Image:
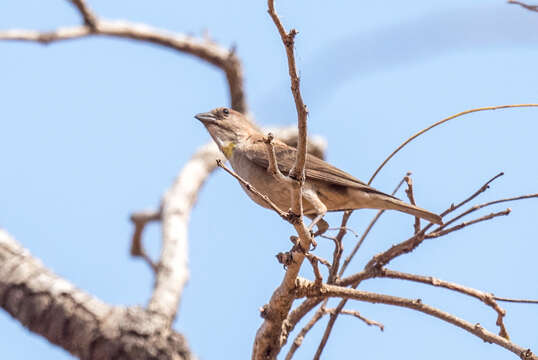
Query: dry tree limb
x=288 y=39
x=523 y=5
x=342 y=303
x=357 y=315
x=140 y=220
x=486 y=298
x=269 y=338
x=68 y=317
x=87 y=14
x=177 y=203
x=307 y=288
x=205 y=50
x=439 y=123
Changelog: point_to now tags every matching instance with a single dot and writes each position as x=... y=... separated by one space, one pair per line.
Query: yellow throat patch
x=228 y=149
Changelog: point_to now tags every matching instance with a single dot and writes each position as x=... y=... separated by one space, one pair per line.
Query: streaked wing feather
x=315 y=168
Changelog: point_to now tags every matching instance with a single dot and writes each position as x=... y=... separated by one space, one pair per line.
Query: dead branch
x=173 y=272
x=486 y=298
x=140 y=220
x=85 y=326
x=411 y=197
x=306 y=288
x=269 y=339
x=205 y=50
x=523 y=5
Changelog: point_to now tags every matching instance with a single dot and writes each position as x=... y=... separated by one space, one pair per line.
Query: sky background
x=97 y=128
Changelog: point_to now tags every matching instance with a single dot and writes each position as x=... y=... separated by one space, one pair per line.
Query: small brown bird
x=326 y=188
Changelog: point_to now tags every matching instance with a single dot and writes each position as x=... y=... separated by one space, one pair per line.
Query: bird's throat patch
x=228 y=149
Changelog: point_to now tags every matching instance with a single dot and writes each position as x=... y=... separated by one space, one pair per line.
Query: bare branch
x=140 y=219
x=286 y=216
x=87 y=14
x=467 y=223
x=486 y=298
x=173 y=272
x=520 y=301
x=289 y=39
x=300 y=337
x=482 y=189
x=481 y=206
x=411 y=197
x=76 y=321
x=314 y=261
x=203 y=49
x=528 y=7
x=442 y=122
x=358 y=316
x=338 y=248
x=306 y=288
x=273 y=332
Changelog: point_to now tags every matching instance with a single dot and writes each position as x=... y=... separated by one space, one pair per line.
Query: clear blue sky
x=95 y=129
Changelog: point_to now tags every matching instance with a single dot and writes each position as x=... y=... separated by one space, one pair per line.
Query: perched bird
x=326 y=187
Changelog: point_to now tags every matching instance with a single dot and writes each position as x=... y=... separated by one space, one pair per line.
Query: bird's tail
x=390 y=203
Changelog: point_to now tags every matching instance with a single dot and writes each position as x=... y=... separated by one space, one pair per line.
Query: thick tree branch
x=203 y=49
x=177 y=204
x=76 y=321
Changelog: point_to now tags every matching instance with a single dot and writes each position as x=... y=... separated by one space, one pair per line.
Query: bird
x=326 y=188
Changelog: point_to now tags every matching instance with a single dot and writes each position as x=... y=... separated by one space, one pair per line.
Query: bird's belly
x=262 y=181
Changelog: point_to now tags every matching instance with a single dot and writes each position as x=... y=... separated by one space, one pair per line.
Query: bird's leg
x=321 y=210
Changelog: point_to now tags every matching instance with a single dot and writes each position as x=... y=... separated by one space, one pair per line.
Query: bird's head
x=226 y=126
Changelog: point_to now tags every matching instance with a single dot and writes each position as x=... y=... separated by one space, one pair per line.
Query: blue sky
x=95 y=129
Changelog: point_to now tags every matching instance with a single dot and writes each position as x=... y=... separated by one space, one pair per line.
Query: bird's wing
x=315 y=168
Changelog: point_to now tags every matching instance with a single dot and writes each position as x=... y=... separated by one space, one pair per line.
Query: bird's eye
x=226 y=111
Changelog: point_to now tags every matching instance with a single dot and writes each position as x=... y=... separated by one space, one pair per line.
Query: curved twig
x=442 y=122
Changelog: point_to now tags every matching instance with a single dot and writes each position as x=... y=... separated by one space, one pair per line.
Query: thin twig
x=481 y=206
x=87 y=14
x=486 y=298
x=366 y=232
x=442 y=122
x=528 y=7
x=338 y=248
x=300 y=336
x=253 y=190
x=357 y=315
x=288 y=39
x=140 y=220
x=314 y=261
x=273 y=168
x=467 y=223
x=520 y=301
x=411 y=197
x=482 y=189
x=308 y=289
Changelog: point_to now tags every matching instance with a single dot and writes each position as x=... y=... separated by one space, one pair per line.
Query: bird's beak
x=206 y=118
